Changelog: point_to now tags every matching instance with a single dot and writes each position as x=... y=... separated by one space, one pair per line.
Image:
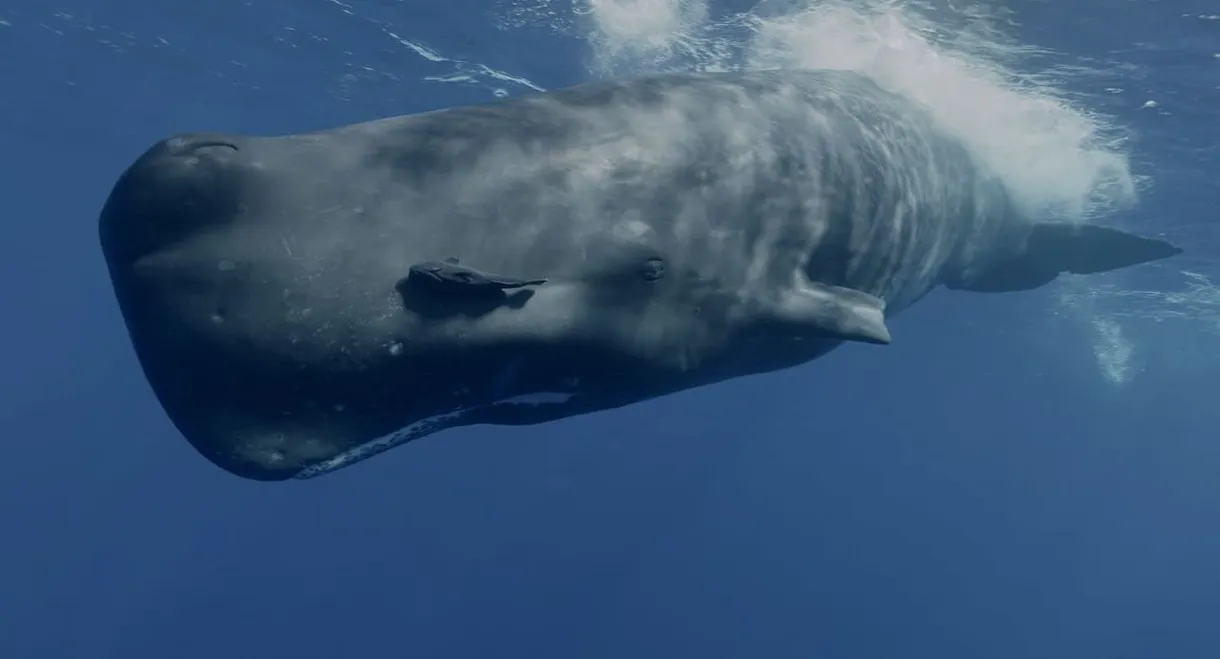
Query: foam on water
x=1061 y=161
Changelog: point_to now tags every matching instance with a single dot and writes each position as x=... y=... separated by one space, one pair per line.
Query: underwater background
x=1028 y=475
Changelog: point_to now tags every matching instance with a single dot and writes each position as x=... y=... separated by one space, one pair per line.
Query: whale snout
x=174 y=290
x=177 y=188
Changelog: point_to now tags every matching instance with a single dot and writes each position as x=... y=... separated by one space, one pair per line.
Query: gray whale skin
x=301 y=302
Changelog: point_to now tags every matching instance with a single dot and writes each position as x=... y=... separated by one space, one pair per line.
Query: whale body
x=301 y=302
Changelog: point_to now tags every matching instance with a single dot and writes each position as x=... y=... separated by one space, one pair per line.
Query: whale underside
x=301 y=302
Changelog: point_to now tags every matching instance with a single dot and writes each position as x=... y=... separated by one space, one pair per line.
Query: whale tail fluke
x=1055 y=248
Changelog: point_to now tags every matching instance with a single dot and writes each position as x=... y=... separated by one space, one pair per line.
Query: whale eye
x=653 y=269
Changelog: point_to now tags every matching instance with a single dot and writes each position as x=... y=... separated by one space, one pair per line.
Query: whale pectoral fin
x=1058 y=248
x=837 y=312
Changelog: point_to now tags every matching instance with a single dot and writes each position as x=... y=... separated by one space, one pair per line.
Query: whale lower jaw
x=421 y=428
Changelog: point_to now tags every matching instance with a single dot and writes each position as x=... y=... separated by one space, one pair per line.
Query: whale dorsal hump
x=1055 y=248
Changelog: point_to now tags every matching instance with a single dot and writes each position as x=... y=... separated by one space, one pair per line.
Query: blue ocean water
x=1023 y=475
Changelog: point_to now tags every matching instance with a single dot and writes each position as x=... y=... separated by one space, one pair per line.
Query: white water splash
x=1061 y=161
x=1113 y=350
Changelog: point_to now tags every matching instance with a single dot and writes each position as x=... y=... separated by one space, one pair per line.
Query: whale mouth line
x=420 y=428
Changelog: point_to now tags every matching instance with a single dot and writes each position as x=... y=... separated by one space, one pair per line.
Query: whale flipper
x=834 y=311
x=450 y=275
x=1055 y=248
